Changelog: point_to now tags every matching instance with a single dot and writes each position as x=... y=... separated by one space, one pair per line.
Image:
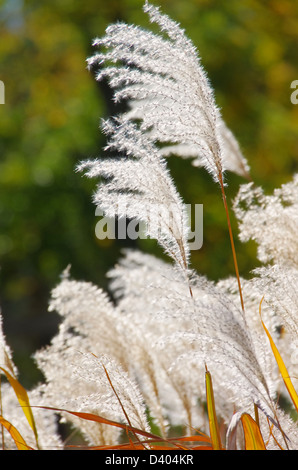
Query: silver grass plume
x=63 y=389
x=115 y=392
x=137 y=185
x=277 y=284
x=206 y=329
x=271 y=221
x=143 y=283
x=161 y=77
x=6 y=359
x=80 y=305
x=162 y=350
x=75 y=378
x=232 y=156
x=166 y=86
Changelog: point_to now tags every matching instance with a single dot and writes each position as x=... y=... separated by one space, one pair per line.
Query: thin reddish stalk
x=232 y=240
x=117 y=396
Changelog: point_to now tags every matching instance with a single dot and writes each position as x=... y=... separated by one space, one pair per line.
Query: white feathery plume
x=155 y=347
x=166 y=86
x=92 y=335
x=82 y=305
x=162 y=78
x=115 y=392
x=152 y=346
x=253 y=298
x=220 y=338
x=271 y=221
x=64 y=390
x=143 y=283
x=6 y=360
x=233 y=157
x=138 y=186
x=278 y=285
x=206 y=329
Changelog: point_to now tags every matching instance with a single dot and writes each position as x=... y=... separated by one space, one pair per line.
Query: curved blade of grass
x=202 y=438
x=22 y=396
x=18 y=439
x=118 y=398
x=213 y=423
x=252 y=433
x=186 y=440
x=126 y=427
x=151 y=438
x=281 y=365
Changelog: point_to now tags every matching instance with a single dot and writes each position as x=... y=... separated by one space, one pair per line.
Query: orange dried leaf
x=252 y=433
x=100 y=419
x=23 y=400
x=281 y=365
x=194 y=439
x=18 y=439
x=213 y=423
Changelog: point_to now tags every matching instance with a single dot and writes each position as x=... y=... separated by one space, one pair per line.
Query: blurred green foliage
x=50 y=122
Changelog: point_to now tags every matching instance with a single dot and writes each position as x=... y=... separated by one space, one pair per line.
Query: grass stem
x=232 y=242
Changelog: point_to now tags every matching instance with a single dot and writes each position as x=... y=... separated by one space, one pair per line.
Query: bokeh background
x=50 y=121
